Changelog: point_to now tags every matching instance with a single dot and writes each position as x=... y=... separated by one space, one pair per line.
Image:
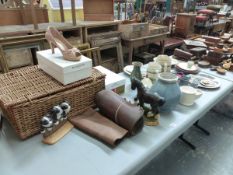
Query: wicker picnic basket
x=27 y=94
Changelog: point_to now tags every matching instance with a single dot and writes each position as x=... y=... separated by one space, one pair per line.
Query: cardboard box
x=134 y=30
x=62 y=70
x=113 y=81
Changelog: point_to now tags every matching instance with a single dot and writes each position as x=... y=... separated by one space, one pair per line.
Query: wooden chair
x=172 y=41
x=93 y=53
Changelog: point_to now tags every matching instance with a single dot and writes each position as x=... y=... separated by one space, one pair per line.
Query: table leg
x=120 y=57
x=130 y=58
x=162 y=43
x=187 y=142
x=201 y=128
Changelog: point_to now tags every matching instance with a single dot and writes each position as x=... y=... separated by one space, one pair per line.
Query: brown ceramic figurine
x=145 y=97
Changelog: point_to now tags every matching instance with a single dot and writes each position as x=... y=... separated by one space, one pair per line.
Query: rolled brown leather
x=123 y=113
x=182 y=54
x=93 y=123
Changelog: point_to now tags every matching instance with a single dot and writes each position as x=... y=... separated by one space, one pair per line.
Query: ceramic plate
x=184 y=66
x=207 y=83
x=128 y=70
x=186 y=71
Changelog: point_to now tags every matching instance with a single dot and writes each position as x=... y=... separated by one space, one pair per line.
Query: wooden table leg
x=120 y=57
x=130 y=58
x=61 y=11
x=73 y=11
x=162 y=43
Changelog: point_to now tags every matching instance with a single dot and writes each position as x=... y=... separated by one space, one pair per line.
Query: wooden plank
x=22 y=42
x=61 y=11
x=34 y=18
x=73 y=12
x=125 y=9
x=119 y=10
x=22 y=13
x=59 y=134
x=98 y=10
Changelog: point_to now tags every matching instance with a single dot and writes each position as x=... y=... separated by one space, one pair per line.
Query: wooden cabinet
x=98 y=10
x=185 y=24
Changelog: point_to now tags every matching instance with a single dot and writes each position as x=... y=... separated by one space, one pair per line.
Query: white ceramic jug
x=189 y=95
x=164 y=61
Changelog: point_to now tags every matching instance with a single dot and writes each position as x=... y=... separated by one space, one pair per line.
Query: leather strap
x=116 y=113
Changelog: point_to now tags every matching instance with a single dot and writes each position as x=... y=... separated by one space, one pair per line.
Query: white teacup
x=189 y=95
x=190 y=64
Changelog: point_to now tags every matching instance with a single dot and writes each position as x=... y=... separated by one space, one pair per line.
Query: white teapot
x=189 y=95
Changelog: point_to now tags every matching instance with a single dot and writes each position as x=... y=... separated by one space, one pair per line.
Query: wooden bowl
x=230 y=50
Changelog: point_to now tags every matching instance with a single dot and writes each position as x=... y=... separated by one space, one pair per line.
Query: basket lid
x=30 y=83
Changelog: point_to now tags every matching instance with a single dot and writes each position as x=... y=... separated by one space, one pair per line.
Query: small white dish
x=128 y=70
x=187 y=66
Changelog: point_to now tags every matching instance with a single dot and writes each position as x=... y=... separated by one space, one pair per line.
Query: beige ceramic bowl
x=230 y=50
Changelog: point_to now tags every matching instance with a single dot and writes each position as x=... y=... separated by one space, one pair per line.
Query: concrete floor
x=214 y=153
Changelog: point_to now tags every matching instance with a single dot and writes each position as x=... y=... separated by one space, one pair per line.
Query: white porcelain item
x=164 y=61
x=187 y=66
x=153 y=70
x=147 y=82
x=190 y=64
x=189 y=95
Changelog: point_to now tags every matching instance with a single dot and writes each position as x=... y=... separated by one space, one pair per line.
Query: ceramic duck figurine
x=66 y=109
x=46 y=123
x=56 y=113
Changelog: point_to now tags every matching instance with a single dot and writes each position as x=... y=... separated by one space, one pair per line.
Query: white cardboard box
x=112 y=80
x=62 y=70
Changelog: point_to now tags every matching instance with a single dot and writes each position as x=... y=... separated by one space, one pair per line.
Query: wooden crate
x=156 y=29
x=134 y=30
x=98 y=10
x=185 y=24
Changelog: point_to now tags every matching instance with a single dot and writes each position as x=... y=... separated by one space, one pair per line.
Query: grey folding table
x=78 y=153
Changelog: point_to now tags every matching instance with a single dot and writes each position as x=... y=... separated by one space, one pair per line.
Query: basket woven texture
x=29 y=93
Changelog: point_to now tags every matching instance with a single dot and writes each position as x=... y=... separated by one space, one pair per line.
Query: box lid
x=30 y=83
x=59 y=64
x=112 y=80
